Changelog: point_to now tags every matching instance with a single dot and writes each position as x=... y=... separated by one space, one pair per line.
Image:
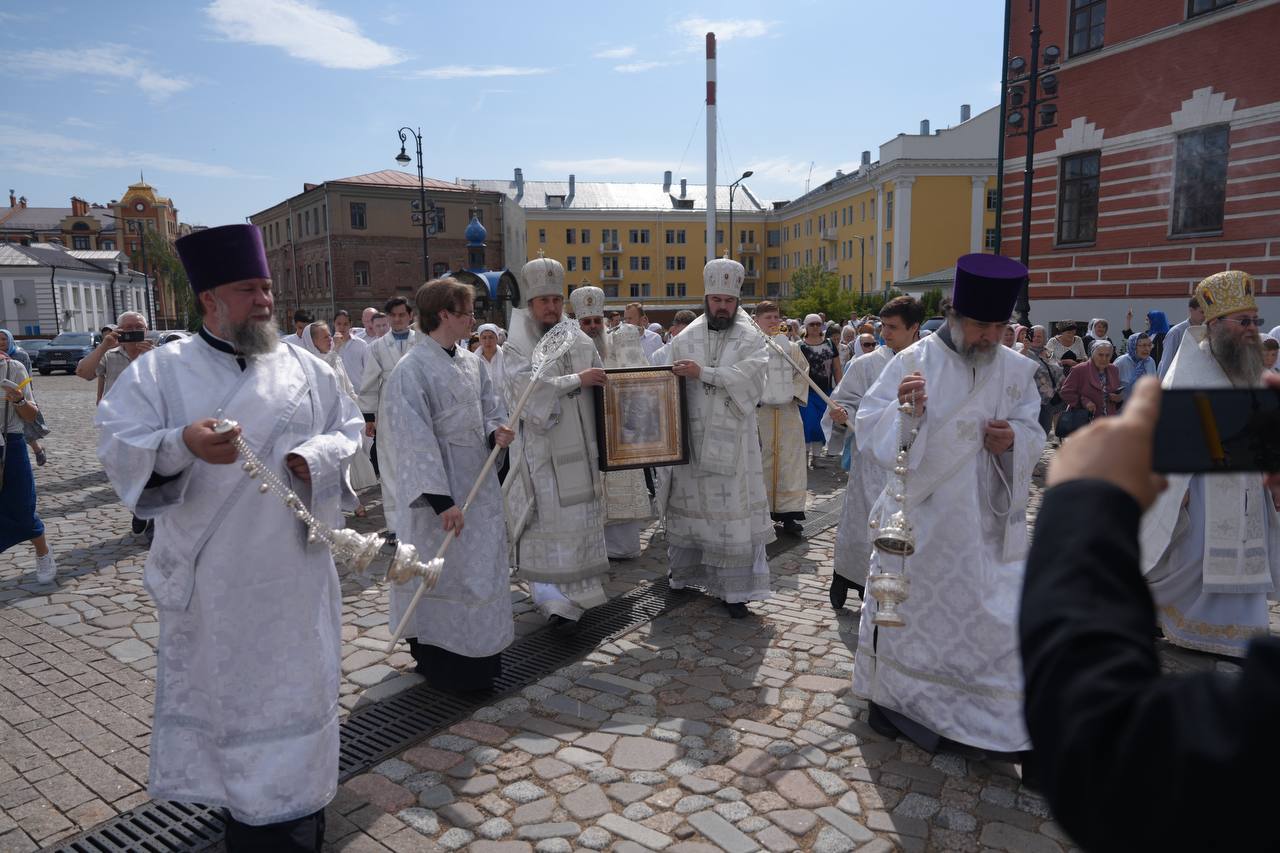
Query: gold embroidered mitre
x=1226 y=293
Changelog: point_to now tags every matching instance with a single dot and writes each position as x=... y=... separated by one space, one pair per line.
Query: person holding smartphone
x=1211 y=543
x=116 y=352
x=1121 y=747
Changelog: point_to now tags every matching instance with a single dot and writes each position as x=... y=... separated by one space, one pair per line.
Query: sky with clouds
x=229 y=106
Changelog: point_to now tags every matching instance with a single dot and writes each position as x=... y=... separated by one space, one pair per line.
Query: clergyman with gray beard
x=1211 y=543
x=261 y=586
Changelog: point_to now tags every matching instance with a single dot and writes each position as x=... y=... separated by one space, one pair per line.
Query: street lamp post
x=1041 y=113
x=732 y=187
x=420 y=218
x=137 y=224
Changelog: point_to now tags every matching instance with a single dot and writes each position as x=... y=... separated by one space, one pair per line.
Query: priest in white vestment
x=782 y=450
x=555 y=509
x=627 y=503
x=1211 y=542
x=444 y=414
x=900 y=319
x=384 y=354
x=717 y=515
x=953 y=672
x=246 y=703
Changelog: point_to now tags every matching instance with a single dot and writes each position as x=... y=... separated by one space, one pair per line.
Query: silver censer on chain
x=895 y=536
x=353 y=550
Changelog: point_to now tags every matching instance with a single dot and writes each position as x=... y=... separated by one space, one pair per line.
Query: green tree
x=871 y=303
x=932 y=302
x=167 y=270
x=817 y=291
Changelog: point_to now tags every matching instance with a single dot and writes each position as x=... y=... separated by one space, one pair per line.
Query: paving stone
x=130 y=651
x=638 y=812
x=766 y=801
x=594 y=838
x=775 y=840
x=462 y=815
x=847 y=825
x=596 y=742
x=540 y=831
x=455 y=839
x=798 y=788
x=583 y=759
x=550 y=768
x=539 y=811
x=699 y=785
x=917 y=806
x=395 y=769
x=721 y=833
x=1002 y=836
x=628 y=792
x=381 y=792
x=477 y=785
x=639 y=753
x=693 y=803
x=500 y=847
x=587 y=802
x=553 y=845
x=632 y=831
x=950 y=817
x=830 y=783
x=523 y=792
x=794 y=821
x=429 y=758
x=562 y=704
x=422 y=820
x=494 y=828
x=482 y=732
x=435 y=796
x=830 y=840
x=372 y=675
x=452 y=743
x=849 y=803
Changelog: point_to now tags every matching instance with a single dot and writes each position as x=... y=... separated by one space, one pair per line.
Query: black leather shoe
x=737 y=610
x=792 y=526
x=839 y=591
x=138 y=525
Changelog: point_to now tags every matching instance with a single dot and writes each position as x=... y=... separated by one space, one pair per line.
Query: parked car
x=65 y=351
x=161 y=337
x=32 y=347
x=928 y=327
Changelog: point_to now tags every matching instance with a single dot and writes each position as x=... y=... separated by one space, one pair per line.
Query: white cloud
x=615 y=53
x=606 y=166
x=457 y=72
x=42 y=152
x=116 y=61
x=73 y=121
x=725 y=29
x=301 y=30
x=640 y=67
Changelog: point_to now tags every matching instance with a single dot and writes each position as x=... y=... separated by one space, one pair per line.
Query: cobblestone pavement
x=692 y=733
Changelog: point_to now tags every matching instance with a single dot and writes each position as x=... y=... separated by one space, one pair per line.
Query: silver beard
x=250 y=337
x=974 y=356
x=1240 y=358
x=601 y=341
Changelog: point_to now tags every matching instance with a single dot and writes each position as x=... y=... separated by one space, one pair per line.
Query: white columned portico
x=977 y=213
x=902 y=228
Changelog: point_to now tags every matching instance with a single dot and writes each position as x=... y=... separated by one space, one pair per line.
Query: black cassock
x=1132 y=759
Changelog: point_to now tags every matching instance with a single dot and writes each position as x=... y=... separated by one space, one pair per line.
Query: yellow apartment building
x=929 y=198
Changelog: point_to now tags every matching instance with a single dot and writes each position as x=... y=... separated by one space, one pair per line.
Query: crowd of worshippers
x=940 y=435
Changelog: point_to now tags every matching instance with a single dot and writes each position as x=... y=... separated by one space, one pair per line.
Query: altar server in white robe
x=953 y=672
x=717 y=515
x=555 y=509
x=384 y=354
x=444 y=415
x=490 y=352
x=246 y=704
x=786 y=467
x=900 y=326
x=1211 y=542
x=627 y=503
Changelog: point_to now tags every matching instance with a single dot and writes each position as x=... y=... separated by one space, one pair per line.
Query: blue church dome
x=475 y=233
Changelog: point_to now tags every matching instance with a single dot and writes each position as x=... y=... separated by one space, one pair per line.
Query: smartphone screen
x=1202 y=431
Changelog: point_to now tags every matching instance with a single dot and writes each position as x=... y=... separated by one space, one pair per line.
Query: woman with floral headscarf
x=1136 y=362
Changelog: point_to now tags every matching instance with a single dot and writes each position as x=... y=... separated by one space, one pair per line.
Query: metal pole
x=728 y=243
x=146 y=278
x=862 y=266
x=711 y=147
x=1023 y=306
x=1004 y=116
x=422 y=200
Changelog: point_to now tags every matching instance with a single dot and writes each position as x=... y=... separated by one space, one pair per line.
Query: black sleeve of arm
x=439 y=503
x=1125 y=750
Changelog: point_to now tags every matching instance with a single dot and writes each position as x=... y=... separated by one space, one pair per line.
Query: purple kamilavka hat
x=215 y=256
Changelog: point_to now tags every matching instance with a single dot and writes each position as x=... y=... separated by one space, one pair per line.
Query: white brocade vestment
x=955 y=667
x=782 y=449
x=866 y=477
x=441 y=411
x=246 y=704
x=1212 y=564
x=716 y=512
x=384 y=353
x=555 y=509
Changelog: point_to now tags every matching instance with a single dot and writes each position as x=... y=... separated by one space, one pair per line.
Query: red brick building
x=1164 y=163
x=351 y=243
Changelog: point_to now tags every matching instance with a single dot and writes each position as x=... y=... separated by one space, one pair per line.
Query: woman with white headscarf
x=317 y=340
x=490 y=352
x=1098 y=329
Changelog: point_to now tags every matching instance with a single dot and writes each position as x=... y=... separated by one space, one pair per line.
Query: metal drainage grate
x=378 y=731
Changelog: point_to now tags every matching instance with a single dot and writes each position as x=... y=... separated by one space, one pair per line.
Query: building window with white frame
x=989 y=239
x=1088 y=21
x=362 y=273
x=358 y=221
x=1203 y=7
x=1200 y=180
